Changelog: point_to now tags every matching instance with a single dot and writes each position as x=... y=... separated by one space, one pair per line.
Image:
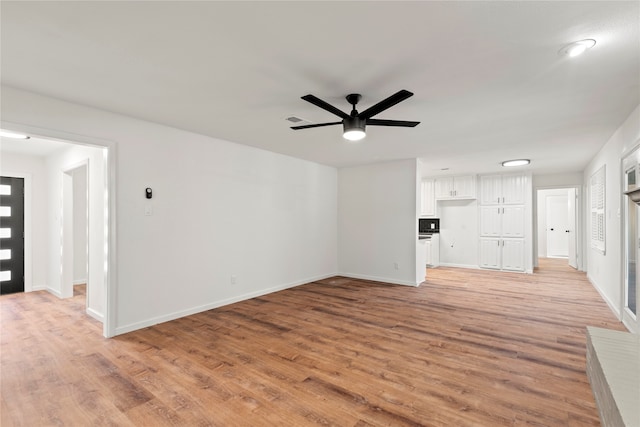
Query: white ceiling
x=32 y=146
x=488 y=81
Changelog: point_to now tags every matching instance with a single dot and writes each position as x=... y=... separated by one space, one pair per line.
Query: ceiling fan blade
x=401 y=123
x=316 y=125
x=385 y=103
x=325 y=106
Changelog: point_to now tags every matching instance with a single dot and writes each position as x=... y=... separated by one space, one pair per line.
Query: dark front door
x=11 y=235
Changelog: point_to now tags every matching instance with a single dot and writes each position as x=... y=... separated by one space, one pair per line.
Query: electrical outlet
x=234 y=279
x=396 y=266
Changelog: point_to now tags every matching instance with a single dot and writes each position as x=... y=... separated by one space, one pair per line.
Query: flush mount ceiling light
x=577 y=48
x=517 y=162
x=14 y=135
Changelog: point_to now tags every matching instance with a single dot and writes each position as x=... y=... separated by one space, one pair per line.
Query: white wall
x=219 y=209
x=13 y=163
x=377 y=221
x=459 y=233
x=557 y=180
x=604 y=270
x=80 y=225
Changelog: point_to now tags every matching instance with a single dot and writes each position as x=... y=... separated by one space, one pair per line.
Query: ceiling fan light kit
x=354 y=129
x=354 y=124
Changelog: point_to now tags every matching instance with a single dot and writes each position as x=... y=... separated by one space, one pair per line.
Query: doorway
x=75 y=231
x=46 y=183
x=557 y=224
x=11 y=235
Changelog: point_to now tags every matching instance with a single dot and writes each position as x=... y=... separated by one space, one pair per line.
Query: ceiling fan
x=354 y=124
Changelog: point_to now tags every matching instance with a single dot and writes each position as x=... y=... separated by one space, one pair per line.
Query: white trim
x=69 y=170
x=54 y=292
x=380 y=279
x=80 y=282
x=580 y=211
x=28 y=244
x=612 y=306
x=92 y=313
x=469 y=266
x=198 y=309
x=110 y=300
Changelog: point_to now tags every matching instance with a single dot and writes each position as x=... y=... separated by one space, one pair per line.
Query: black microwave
x=428 y=225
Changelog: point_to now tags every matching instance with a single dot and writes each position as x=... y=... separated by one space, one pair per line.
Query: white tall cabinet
x=505 y=222
x=428 y=206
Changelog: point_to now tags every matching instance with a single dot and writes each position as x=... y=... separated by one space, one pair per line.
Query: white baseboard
x=54 y=292
x=379 y=279
x=119 y=330
x=612 y=307
x=38 y=288
x=469 y=266
x=98 y=316
x=80 y=282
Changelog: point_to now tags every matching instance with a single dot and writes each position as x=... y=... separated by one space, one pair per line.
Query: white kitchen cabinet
x=490 y=221
x=490 y=252
x=513 y=221
x=428 y=205
x=433 y=250
x=503 y=189
x=514 y=189
x=502 y=221
x=490 y=189
x=502 y=254
x=513 y=254
x=505 y=209
x=455 y=187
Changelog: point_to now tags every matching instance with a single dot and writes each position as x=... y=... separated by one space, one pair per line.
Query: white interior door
x=572 y=238
x=557 y=226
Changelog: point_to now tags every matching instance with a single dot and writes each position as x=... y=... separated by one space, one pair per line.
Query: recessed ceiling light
x=14 y=135
x=517 y=162
x=577 y=48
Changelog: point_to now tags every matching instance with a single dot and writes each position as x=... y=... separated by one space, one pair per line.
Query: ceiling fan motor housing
x=353 y=123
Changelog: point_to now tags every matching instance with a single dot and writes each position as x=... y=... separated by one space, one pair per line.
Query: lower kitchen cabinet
x=502 y=254
x=433 y=251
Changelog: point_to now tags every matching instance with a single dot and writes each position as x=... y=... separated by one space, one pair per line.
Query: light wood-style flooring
x=467 y=348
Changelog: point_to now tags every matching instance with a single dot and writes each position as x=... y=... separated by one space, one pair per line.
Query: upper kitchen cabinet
x=503 y=189
x=428 y=205
x=455 y=187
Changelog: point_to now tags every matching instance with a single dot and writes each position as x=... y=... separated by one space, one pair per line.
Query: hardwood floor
x=467 y=348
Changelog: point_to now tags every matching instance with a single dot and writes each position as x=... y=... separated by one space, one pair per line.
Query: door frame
x=626 y=317
x=67 y=232
x=581 y=262
x=110 y=271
